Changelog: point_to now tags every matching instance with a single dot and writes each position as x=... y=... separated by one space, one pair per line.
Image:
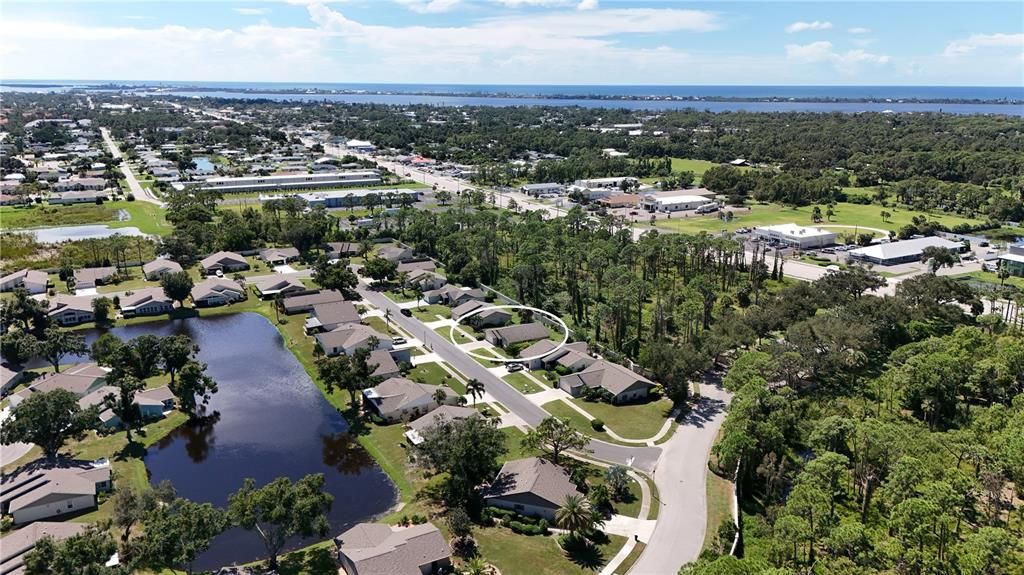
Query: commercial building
x=293 y=181
x=541 y=189
x=606 y=183
x=892 y=253
x=795 y=236
x=1013 y=260
x=349 y=198
x=673 y=203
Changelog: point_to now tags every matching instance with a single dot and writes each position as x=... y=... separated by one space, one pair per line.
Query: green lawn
x=698 y=167
x=132 y=284
x=445 y=330
x=431 y=374
x=522 y=383
x=845 y=215
x=396 y=295
x=430 y=312
x=627 y=563
x=632 y=421
x=540 y=555
x=149 y=218
x=992 y=278
x=719 y=500
x=379 y=324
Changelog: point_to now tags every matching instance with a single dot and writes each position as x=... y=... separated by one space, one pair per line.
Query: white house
x=43 y=489
x=160 y=267
x=349 y=337
x=225 y=262
x=398 y=399
x=32 y=281
x=146 y=301
x=216 y=291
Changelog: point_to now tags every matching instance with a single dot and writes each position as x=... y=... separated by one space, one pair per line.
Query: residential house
x=44 y=489
x=78 y=197
x=395 y=253
x=379 y=549
x=68 y=310
x=16 y=545
x=418 y=427
x=339 y=250
x=350 y=337
x=426 y=280
x=622 y=383
x=546 y=354
x=513 y=334
x=305 y=303
x=452 y=295
x=217 y=291
x=399 y=399
x=79 y=185
x=279 y=256
x=87 y=278
x=79 y=380
x=146 y=301
x=32 y=281
x=152 y=403
x=330 y=316
x=224 y=262
x=491 y=317
x=384 y=364
x=531 y=486
x=284 y=285
x=411 y=266
x=160 y=267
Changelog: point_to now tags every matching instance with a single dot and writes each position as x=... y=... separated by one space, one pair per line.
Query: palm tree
x=576 y=516
x=387 y=316
x=403 y=280
x=476 y=389
x=475 y=566
x=439 y=396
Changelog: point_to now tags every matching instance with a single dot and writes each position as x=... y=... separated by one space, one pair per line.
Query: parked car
x=406 y=312
x=398 y=340
x=512 y=367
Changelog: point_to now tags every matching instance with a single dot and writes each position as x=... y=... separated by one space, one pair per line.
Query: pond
x=270 y=421
x=203 y=164
x=72 y=233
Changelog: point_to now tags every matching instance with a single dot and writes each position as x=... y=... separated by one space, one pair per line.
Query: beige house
x=32 y=281
x=278 y=285
x=623 y=384
x=224 y=262
x=68 y=310
x=350 y=337
x=146 y=301
x=43 y=489
x=531 y=486
x=87 y=278
x=160 y=267
x=399 y=399
x=217 y=291
x=378 y=549
x=513 y=334
x=17 y=544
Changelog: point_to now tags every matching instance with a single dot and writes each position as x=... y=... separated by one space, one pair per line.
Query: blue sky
x=518 y=41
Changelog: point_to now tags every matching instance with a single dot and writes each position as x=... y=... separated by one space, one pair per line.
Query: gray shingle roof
x=533 y=475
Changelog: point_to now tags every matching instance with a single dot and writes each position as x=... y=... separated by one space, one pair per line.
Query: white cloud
x=859 y=30
x=252 y=11
x=804 y=26
x=544 y=3
x=976 y=41
x=429 y=6
x=849 y=62
x=587 y=5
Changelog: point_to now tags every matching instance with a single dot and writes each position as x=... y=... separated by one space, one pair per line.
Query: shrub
x=597 y=424
x=418 y=519
x=524 y=529
x=130 y=197
x=6 y=522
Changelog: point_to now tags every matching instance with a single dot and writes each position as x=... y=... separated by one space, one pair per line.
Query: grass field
x=993 y=279
x=430 y=374
x=698 y=167
x=149 y=218
x=632 y=421
x=539 y=555
x=522 y=383
x=845 y=215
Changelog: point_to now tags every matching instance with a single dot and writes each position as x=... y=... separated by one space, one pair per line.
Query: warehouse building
x=293 y=181
x=673 y=203
x=892 y=253
x=795 y=236
x=348 y=198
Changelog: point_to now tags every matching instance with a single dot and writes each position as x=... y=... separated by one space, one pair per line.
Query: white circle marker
x=565 y=333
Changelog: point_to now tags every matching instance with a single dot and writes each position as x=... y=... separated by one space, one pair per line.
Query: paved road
x=137 y=190
x=644 y=458
x=680 y=476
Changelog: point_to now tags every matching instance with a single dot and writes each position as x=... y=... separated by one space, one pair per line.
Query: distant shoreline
x=161 y=88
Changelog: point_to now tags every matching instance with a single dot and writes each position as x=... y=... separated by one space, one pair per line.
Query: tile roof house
x=418 y=427
x=87 y=278
x=32 y=281
x=270 y=287
x=17 y=544
x=146 y=301
x=305 y=303
x=68 y=310
x=398 y=399
x=530 y=486
x=513 y=334
x=331 y=316
x=44 y=489
x=279 y=256
x=623 y=384
x=571 y=356
x=225 y=262
x=378 y=549
x=160 y=267
x=216 y=291
x=350 y=337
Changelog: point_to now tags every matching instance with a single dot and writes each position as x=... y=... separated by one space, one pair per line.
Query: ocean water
x=749 y=98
